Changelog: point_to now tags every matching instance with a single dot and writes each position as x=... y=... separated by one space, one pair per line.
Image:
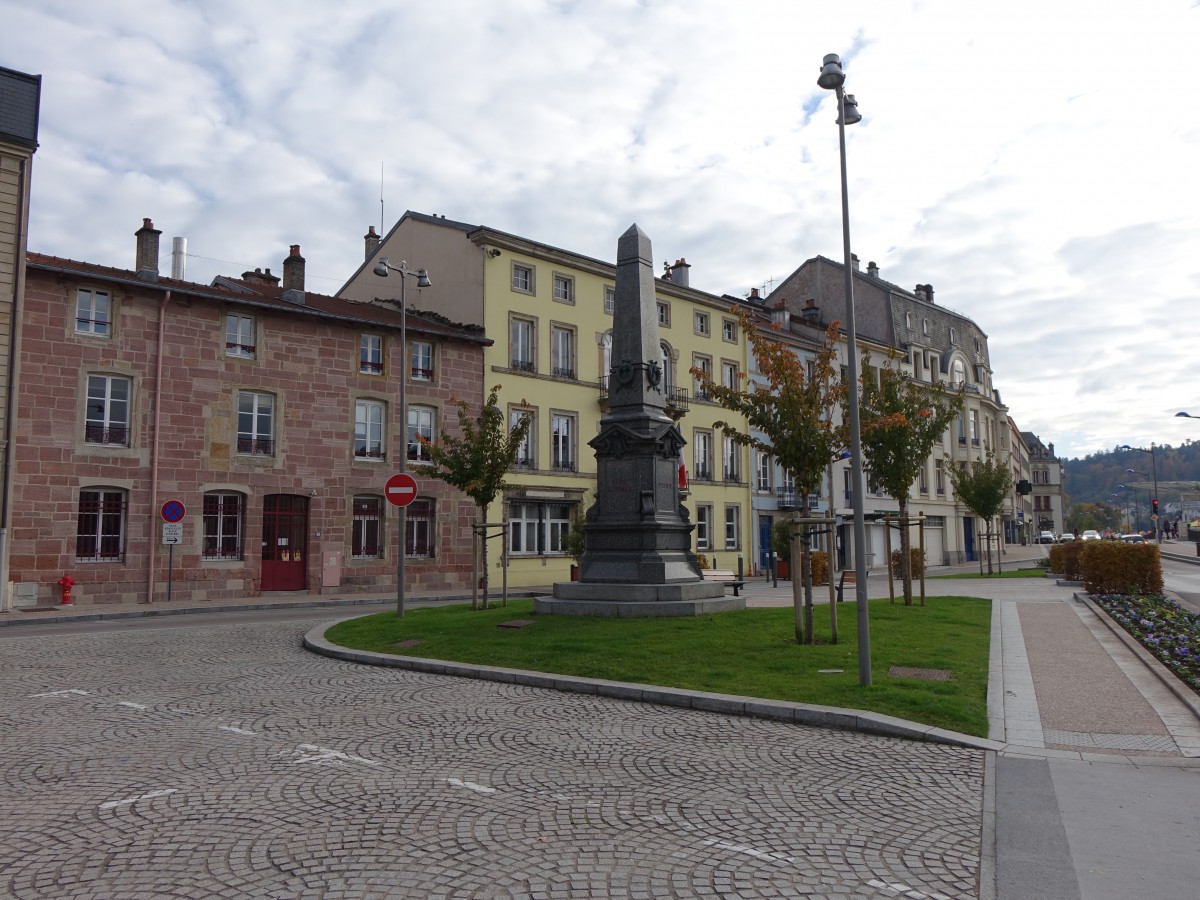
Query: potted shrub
x=781 y=543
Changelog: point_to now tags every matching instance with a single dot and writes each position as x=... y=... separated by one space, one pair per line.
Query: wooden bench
x=725 y=577
x=848 y=577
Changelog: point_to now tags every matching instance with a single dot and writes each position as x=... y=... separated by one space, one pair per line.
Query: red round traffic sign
x=172 y=511
x=401 y=489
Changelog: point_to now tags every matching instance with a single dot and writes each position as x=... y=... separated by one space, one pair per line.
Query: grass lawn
x=1007 y=573
x=749 y=653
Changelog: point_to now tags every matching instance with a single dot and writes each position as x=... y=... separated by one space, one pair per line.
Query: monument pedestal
x=637 y=601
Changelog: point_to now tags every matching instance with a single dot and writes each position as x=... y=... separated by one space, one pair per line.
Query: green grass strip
x=750 y=653
x=1007 y=573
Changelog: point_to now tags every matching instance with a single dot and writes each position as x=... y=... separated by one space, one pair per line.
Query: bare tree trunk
x=905 y=553
x=989 y=544
x=797 y=585
x=483 y=536
x=806 y=574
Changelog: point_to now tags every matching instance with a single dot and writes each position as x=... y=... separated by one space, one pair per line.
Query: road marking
x=905 y=890
x=113 y=804
x=324 y=754
x=471 y=786
x=235 y=729
x=751 y=851
x=132 y=705
x=61 y=693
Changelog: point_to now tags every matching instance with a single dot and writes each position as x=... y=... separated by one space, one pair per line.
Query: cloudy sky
x=1034 y=161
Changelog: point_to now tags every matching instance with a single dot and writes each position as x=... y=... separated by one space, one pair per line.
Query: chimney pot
x=679 y=272
x=147 y=251
x=872 y=269
x=371 y=239
x=854 y=261
x=293 y=270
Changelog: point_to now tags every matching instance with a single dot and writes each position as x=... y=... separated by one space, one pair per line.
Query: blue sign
x=172 y=511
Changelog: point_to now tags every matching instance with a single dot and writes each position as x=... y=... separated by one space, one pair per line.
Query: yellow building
x=549 y=313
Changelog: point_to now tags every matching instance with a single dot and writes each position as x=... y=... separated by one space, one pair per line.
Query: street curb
x=987 y=831
x=779 y=710
x=1169 y=679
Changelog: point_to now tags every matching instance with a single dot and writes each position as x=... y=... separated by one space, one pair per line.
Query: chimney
x=293 y=276
x=854 y=261
x=147 y=251
x=679 y=272
x=872 y=269
x=919 y=291
x=179 y=258
x=780 y=315
x=929 y=292
x=754 y=294
x=372 y=241
x=811 y=312
x=258 y=276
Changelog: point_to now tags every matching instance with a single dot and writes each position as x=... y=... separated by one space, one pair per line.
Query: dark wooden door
x=284 y=542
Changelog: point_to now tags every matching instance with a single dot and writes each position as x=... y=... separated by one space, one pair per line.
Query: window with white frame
x=107 y=417
x=224 y=515
x=666 y=359
x=420 y=425
x=256 y=423
x=239 y=336
x=610 y=299
x=729 y=374
x=704 y=364
x=664 y=314
x=520 y=344
x=702 y=324
x=787 y=487
x=703 y=455
x=564 y=288
x=100 y=526
x=370 y=354
x=526 y=458
x=953 y=337
x=924 y=326
x=704 y=526
x=538 y=527
x=973 y=422
x=93 y=312
x=733 y=515
x=923 y=480
x=762 y=467
x=522 y=278
x=562 y=442
x=422 y=361
x=562 y=351
x=418 y=528
x=729 y=330
x=733 y=459
x=369 y=418
x=366 y=536
x=939 y=475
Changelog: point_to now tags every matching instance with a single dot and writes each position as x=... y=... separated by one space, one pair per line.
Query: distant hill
x=1093 y=478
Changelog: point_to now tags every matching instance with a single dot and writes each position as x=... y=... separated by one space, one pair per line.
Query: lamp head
x=381 y=267
x=423 y=278
x=850 y=113
x=1184 y=415
x=831 y=75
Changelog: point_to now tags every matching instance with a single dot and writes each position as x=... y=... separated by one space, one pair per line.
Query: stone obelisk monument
x=638 y=559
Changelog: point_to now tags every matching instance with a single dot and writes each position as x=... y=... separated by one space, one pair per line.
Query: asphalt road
x=209 y=755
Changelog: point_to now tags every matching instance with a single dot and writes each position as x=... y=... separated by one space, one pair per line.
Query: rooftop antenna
x=381 y=196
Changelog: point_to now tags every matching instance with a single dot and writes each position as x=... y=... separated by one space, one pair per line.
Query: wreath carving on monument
x=654 y=375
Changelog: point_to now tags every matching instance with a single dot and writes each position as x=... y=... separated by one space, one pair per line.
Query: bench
x=725 y=577
x=849 y=577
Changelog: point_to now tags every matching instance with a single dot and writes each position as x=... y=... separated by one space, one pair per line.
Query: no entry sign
x=401 y=489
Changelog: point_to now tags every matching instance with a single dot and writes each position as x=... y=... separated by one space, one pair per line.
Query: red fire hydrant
x=66 y=583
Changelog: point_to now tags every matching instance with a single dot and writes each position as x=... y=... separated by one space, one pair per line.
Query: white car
x=1090 y=535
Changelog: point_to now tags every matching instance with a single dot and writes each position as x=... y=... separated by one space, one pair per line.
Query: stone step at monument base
x=636 y=601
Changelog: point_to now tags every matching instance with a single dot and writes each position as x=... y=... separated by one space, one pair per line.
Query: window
x=610 y=299
x=223 y=515
x=664 y=314
x=974 y=424
x=256 y=423
x=564 y=288
x=239 y=336
x=538 y=527
x=958 y=373
x=732 y=455
x=100 y=527
x=370 y=354
x=729 y=330
x=702 y=449
x=93 y=313
x=522 y=278
x=704 y=364
x=729 y=374
x=953 y=337
x=908 y=320
x=562 y=442
x=666 y=359
x=366 y=541
x=368 y=430
x=418 y=528
x=703 y=526
x=562 y=352
x=702 y=325
x=525 y=453
x=762 y=468
x=939 y=475
x=422 y=361
x=732 y=526
x=107 y=420
x=520 y=342
x=420 y=425
x=924 y=326
x=923 y=480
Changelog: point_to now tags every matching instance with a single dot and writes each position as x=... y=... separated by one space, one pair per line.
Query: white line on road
x=324 y=754
x=132 y=705
x=113 y=804
x=235 y=729
x=905 y=891
x=751 y=851
x=61 y=693
x=471 y=786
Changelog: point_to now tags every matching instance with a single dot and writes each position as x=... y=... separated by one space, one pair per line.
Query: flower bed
x=1164 y=628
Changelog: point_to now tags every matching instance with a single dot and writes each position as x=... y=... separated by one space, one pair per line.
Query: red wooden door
x=284 y=542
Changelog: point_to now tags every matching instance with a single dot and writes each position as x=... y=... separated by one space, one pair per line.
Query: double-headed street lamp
x=832 y=78
x=1154 y=477
x=382 y=269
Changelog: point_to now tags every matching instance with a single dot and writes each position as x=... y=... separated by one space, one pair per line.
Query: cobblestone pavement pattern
x=225 y=761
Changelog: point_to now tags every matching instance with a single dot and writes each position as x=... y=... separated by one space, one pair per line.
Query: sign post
x=172 y=513
x=400 y=490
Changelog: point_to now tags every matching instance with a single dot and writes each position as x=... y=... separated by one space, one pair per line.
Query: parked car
x=1046 y=537
x=1133 y=539
x=1065 y=537
x=1090 y=535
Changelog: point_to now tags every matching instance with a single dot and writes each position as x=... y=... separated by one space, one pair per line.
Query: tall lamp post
x=832 y=78
x=1154 y=476
x=1148 y=503
x=382 y=269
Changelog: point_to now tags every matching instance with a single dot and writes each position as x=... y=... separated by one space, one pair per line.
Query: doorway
x=284 y=542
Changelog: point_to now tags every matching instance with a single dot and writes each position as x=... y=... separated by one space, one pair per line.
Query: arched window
x=958 y=373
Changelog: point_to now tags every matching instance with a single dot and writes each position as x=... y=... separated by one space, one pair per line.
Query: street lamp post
x=1154 y=477
x=382 y=269
x=832 y=78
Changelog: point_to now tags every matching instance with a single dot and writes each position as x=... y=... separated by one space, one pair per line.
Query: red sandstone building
x=267 y=411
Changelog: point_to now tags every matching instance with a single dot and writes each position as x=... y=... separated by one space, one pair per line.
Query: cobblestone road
x=226 y=761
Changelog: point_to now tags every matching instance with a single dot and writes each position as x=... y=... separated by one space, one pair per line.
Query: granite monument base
x=636 y=601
